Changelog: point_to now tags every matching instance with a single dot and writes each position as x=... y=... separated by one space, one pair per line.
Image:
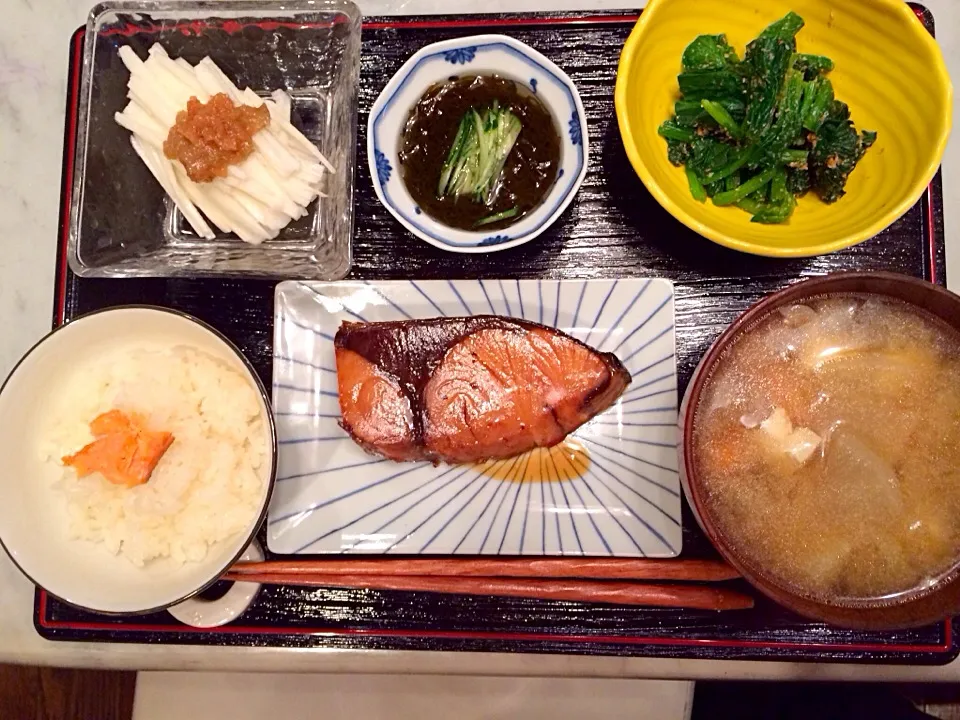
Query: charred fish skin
x=468 y=389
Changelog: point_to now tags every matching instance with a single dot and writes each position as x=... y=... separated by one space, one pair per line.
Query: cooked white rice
x=206 y=488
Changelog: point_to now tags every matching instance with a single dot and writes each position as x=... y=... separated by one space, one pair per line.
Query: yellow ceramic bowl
x=888 y=69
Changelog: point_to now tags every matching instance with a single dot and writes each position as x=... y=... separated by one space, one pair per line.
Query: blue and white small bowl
x=476 y=55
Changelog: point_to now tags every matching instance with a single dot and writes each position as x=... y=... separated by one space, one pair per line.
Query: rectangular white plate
x=332 y=497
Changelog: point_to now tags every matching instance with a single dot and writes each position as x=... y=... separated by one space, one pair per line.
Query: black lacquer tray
x=613 y=229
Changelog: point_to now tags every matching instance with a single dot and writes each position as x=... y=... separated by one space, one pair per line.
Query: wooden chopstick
x=594 y=568
x=697 y=597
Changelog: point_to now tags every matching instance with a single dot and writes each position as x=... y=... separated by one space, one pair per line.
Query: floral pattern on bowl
x=476 y=55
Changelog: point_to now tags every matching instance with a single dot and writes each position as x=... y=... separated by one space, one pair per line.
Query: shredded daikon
x=260 y=195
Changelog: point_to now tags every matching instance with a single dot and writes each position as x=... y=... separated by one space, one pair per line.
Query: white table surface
x=34 y=36
x=253 y=696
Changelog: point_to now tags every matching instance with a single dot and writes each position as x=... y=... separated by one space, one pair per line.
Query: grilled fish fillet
x=468 y=389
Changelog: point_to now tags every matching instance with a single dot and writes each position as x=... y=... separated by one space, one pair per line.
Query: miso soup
x=828 y=445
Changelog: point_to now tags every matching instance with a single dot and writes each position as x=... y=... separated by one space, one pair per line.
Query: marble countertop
x=33 y=65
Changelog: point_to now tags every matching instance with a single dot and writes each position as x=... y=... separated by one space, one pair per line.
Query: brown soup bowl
x=914 y=608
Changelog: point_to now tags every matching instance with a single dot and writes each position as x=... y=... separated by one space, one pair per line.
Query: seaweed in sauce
x=431 y=128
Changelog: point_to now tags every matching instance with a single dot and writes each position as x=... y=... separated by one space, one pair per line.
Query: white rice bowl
x=205 y=487
x=111 y=548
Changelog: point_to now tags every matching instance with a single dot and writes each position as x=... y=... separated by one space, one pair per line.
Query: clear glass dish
x=122 y=224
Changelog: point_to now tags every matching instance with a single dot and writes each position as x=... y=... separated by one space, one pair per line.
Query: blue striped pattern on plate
x=332 y=497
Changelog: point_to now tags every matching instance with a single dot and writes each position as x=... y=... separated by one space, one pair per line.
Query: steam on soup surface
x=828 y=445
